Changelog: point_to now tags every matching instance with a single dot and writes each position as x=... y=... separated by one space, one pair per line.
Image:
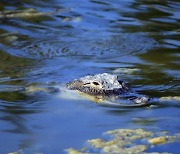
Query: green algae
x=162 y=139
x=133 y=149
x=144 y=121
x=170 y=98
x=73 y=151
x=31 y=13
x=158 y=140
x=126 y=70
x=33 y=89
x=25 y=13
x=132 y=141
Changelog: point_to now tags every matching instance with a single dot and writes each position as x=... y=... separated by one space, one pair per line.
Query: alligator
x=108 y=89
x=104 y=89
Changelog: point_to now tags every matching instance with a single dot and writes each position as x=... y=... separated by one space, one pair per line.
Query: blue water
x=76 y=38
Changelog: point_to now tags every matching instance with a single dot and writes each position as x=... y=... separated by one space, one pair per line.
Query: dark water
x=75 y=38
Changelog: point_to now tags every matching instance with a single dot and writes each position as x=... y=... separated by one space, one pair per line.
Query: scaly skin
x=107 y=85
x=100 y=84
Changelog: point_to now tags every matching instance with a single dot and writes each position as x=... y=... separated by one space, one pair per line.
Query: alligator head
x=100 y=84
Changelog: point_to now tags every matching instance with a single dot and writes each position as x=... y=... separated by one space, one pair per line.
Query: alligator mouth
x=102 y=92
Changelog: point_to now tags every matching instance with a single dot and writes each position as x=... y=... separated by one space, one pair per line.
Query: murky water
x=46 y=41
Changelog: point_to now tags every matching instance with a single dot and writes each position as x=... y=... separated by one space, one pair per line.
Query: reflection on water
x=48 y=41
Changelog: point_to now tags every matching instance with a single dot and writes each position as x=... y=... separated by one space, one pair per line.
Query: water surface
x=70 y=39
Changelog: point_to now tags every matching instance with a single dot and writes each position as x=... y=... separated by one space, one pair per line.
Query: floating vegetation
x=26 y=13
x=158 y=140
x=73 y=151
x=74 y=19
x=126 y=141
x=144 y=121
x=126 y=70
x=170 y=98
x=31 y=13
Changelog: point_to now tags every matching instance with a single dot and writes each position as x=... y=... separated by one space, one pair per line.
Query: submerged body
x=104 y=89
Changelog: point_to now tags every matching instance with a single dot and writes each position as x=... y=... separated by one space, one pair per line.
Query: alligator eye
x=95 y=83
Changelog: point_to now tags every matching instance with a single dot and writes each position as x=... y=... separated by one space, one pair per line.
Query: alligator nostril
x=120 y=81
x=87 y=83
